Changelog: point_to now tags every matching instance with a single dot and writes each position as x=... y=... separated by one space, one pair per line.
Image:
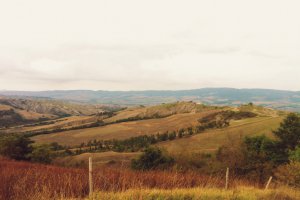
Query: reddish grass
x=23 y=180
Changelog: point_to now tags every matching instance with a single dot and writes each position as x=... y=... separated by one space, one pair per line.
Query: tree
x=152 y=158
x=172 y=135
x=190 y=131
x=289 y=132
x=41 y=154
x=15 y=147
x=260 y=156
x=55 y=146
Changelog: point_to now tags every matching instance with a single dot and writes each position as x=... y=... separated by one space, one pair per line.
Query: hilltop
x=159 y=111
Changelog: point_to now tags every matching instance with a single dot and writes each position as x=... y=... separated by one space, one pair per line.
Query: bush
x=152 y=158
x=232 y=155
x=289 y=174
x=295 y=155
x=41 y=154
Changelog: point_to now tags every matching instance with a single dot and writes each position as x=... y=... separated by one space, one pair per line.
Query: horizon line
x=54 y=90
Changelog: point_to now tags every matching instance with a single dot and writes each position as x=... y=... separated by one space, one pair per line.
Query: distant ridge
x=279 y=99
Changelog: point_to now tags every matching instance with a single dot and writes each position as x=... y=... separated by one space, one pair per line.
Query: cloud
x=117 y=45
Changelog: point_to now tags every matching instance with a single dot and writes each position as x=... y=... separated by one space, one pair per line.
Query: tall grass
x=241 y=193
x=22 y=180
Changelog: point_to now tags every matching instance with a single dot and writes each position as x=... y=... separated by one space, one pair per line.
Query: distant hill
x=158 y=111
x=19 y=111
x=279 y=99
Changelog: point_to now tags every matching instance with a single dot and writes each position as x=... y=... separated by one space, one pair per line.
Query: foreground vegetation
x=240 y=193
x=24 y=180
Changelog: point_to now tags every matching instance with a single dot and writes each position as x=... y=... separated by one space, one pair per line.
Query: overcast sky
x=149 y=44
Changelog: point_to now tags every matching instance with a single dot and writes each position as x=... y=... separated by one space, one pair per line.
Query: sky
x=149 y=45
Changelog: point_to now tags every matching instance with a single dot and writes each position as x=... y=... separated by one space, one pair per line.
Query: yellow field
x=123 y=130
x=211 y=140
x=241 y=193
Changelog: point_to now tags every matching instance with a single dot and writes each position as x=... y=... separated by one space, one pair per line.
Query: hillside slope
x=160 y=119
x=211 y=140
x=159 y=111
x=18 y=111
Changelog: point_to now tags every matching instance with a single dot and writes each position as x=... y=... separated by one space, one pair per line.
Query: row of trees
x=133 y=144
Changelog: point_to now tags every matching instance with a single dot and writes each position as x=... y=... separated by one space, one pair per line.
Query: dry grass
x=123 y=130
x=240 y=193
x=21 y=180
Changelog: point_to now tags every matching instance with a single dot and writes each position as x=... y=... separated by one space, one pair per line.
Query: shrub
x=295 y=155
x=289 y=174
x=41 y=154
x=152 y=158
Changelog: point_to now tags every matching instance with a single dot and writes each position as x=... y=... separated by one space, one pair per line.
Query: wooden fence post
x=227 y=178
x=269 y=182
x=90 y=177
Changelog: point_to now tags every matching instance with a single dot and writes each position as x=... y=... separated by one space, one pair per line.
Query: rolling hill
x=225 y=123
x=20 y=111
x=157 y=119
x=139 y=121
